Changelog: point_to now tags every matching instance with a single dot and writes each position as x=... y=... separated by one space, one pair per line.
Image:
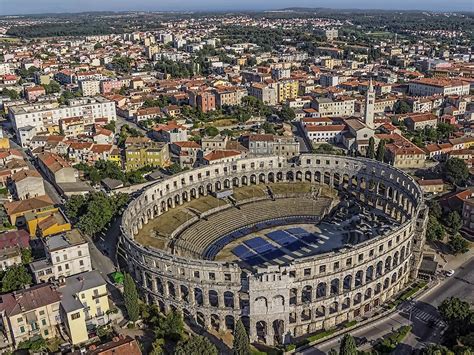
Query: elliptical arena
x=289 y=247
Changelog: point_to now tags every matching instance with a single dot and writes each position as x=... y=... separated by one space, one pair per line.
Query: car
x=360 y=341
x=449 y=273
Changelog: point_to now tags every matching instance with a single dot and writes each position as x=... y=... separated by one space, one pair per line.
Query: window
x=381 y=248
x=43 y=321
x=76 y=315
x=60 y=268
x=293 y=273
x=19 y=320
x=361 y=257
x=96 y=292
x=83 y=295
x=349 y=262
x=196 y=274
x=227 y=277
x=307 y=272
x=22 y=329
x=41 y=313
x=81 y=262
x=67 y=266
x=371 y=252
x=389 y=243
x=322 y=269
x=212 y=276
x=79 y=253
x=336 y=265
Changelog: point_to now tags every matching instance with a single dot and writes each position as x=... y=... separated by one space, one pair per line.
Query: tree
x=26 y=257
x=436 y=349
x=15 y=277
x=434 y=230
x=348 y=346
x=371 y=148
x=380 y=151
x=402 y=107
x=287 y=114
x=130 y=296
x=454 y=221
x=241 y=343
x=211 y=131
x=12 y=94
x=435 y=209
x=75 y=206
x=457 y=314
x=456 y=170
x=458 y=244
x=196 y=345
x=52 y=87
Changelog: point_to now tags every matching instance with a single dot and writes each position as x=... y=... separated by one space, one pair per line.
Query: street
x=305 y=143
x=423 y=313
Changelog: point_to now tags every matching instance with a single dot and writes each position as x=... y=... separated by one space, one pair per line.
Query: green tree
x=458 y=315
x=380 y=151
x=287 y=114
x=436 y=349
x=75 y=206
x=12 y=94
x=434 y=230
x=130 y=296
x=402 y=107
x=196 y=345
x=454 y=220
x=456 y=170
x=435 y=209
x=458 y=244
x=15 y=277
x=241 y=343
x=52 y=87
x=371 y=148
x=98 y=45
x=348 y=346
x=211 y=131
x=26 y=257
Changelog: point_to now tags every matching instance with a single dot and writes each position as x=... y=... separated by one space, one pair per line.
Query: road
x=120 y=121
x=422 y=314
x=305 y=144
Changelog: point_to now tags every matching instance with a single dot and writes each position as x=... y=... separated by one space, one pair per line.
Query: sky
x=12 y=7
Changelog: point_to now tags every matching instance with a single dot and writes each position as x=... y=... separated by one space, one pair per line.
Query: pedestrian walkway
x=422 y=315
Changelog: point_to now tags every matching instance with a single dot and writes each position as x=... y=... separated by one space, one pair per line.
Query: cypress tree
x=241 y=343
x=371 y=148
x=381 y=150
x=130 y=296
x=348 y=346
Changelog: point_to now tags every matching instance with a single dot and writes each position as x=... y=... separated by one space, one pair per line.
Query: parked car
x=449 y=273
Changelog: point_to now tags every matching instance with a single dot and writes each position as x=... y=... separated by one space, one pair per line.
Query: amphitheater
x=289 y=247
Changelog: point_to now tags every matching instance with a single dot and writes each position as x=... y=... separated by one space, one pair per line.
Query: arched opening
x=230 y=323
x=200 y=319
x=368 y=294
x=198 y=297
x=321 y=290
x=347 y=283
x=213 y=298
x=171 y=290
x=359 y=277
x=386 y=283
x=184 y=293
x=278 y=331
x=333 y=308
x=306 y=315
x=215 y=322
x=261 y=328
x=334 y=287
x=320 y=311
x=379 y=269
x=346 y=303
x=293 y=296
x=307 y=294
x=369 y=274
x=357 y=298
x=228 y=299
x=388 y=264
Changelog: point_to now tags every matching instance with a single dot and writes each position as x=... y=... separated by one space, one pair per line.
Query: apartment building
x=56 y=168
x=339 y=107
x=324 y=133
x=170 y=132
x=287 y=89
x=229 y=96
x=27 y=184
x=46 y=115
x=66 y=254
x=89 y=87
x=421 y=121
x=269 y=144
x=142 y=151
x=265 y=93
x=205 y=101
x=437 y=86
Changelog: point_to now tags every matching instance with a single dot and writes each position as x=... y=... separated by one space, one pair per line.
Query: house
x=324 y=133
x=454 y=201
x=27 y=184
x=148 y=113
x=172 y=110
x=84 y=302
x=221 y=156
x=438 y=151
x=30 y=312
x=16 y=210
x=401 y=153
x=214 y=143
x=32 y=93
x=66 y=254
x=431 y=186
x=11 y=245
x=170 y=132
x=56 y=168
x=142 y=151
x=47 y=222
x=120 y=345
x=185 y=153
x=468 y=216
x=269 y=144
x=420 y=121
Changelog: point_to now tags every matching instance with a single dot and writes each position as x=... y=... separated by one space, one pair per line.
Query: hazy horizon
x=22 y=7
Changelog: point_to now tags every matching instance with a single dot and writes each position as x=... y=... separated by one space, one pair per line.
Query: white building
x=66 y=254
x=89 y=87
x=436 y=86
x=324 y=134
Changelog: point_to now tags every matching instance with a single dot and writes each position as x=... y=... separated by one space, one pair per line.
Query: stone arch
x=159 y=285
x=299 y=176
x=386 y=283
x=347 y=283
x=395 y=259
x=271 y=177
x=261 y=329
x=262 y=178
x=253 y=179
x=184 y=293
x=320 y=312
x=334 y=287
x=307 y=294
x=261 y=303
x=290 y=176
x=317 y=177
x=346 y=303
x=321 y=290
x=235 y=182
x=171 y=289
x=229 y=299
x=368 y=294
x=369 y=274
x=305 y=314
x=379 y=269
x=327 y=178
x=226 y=184
x=215 y=322
x=388 y=264
x=200 y=319
x=333 y=308
x=278 y=303
x=357 y=298
x=293 y=296
x=213 y=298
x=278 y=331
x=198 y=296
x=229 y=323
x=359 y=278
x=394 y=278
x=378 y=288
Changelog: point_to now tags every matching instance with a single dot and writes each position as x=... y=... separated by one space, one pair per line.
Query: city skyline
x=57 y=6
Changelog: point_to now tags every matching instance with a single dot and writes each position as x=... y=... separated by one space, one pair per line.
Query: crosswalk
x=419 y=314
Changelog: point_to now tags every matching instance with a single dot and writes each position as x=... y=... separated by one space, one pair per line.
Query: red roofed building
x=402 y=153
x=34 y=92
x=421 y=120
x=170 y=132
x=221 y=156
